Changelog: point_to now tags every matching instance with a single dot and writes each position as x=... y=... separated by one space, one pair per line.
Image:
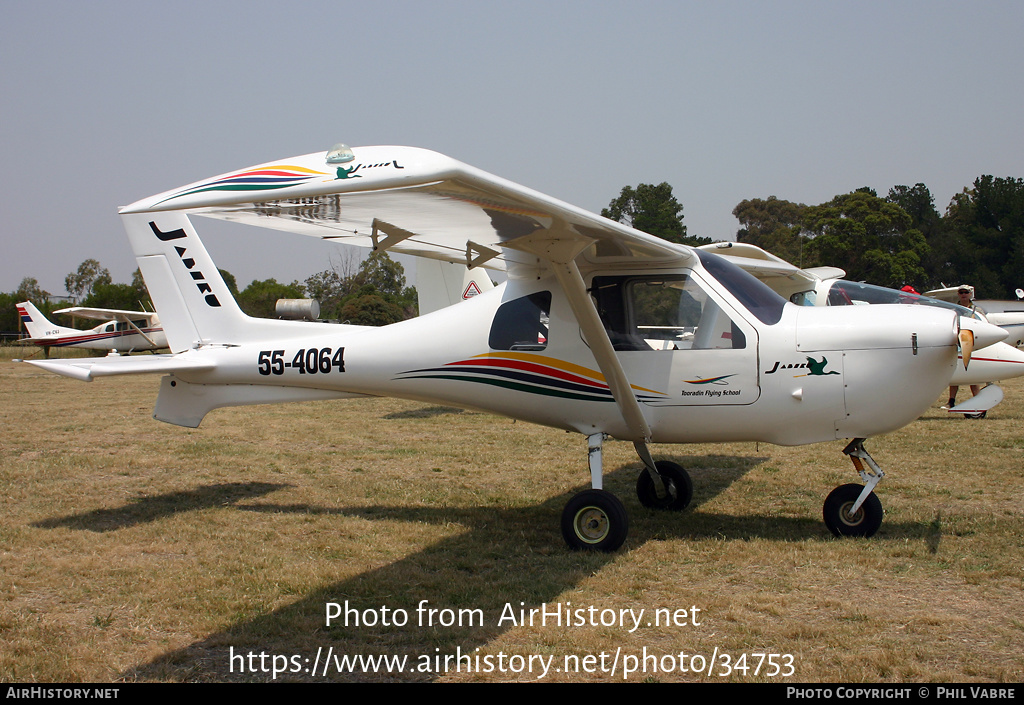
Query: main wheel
x=676 y=481
x=594 y=520
x=864 y=522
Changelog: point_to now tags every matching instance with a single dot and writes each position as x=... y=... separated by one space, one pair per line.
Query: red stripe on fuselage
x=75 y=339
x=531 y=367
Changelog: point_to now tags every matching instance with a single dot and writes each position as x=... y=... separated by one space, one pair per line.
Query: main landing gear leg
x=852 y=510
x=595 y=519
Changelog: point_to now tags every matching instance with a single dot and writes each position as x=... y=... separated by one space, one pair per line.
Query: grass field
x=134 y=550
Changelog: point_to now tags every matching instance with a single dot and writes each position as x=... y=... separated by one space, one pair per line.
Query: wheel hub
x=851 y=519
x=591 y=524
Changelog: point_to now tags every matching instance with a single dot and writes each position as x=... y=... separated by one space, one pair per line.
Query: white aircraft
x=124 y=331
x=563 y=342
x=1008 y=315
x=824 y=286
x=443 y=284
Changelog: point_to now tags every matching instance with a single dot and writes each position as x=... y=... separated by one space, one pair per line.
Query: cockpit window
x=804 y=298
x=751 y=292
x=522 y=324
x=663 y=313
x=846 y=293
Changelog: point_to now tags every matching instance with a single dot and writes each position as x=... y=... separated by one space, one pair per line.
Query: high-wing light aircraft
x=600 y=329
x=824 y=286
x=124 y=331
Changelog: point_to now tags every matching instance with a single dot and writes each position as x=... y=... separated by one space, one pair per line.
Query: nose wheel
x=843 y=520
x=854 y=510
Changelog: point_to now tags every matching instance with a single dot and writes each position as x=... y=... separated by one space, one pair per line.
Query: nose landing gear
x=843 y=520
x=852 y=510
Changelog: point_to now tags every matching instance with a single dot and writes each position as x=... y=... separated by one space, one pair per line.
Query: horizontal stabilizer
x=982 y=401
x=88 y=368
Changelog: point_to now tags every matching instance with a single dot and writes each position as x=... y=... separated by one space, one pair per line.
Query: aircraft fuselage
x=802 y=379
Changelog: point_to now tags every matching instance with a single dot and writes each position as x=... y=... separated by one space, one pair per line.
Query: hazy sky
x=104 y=103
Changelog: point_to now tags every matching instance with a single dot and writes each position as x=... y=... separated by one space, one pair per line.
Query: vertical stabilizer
x=37 y=325
x=442 y=284
x=194 y=303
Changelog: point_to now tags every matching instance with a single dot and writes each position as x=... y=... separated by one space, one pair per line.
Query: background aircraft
x=1008 y=315
x=564 y=342
x=124 y=331
x=440 y=284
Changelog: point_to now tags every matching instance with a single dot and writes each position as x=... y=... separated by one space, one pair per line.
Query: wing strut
x=569 y=277
x=139 y=331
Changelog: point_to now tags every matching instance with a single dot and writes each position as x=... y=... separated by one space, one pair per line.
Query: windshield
x=845 y=293
x=751 y=292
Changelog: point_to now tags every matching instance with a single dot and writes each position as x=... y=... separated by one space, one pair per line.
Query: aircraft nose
x=896 y=361
x=985 y=333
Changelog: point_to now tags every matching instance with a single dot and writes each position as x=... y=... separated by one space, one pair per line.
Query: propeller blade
x=966 y=345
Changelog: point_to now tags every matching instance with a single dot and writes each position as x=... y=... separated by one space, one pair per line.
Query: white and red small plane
x=123 y=331
x=600 y=329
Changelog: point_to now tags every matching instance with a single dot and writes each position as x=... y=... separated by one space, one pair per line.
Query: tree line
x=902 y=239
x=897 y=240
x=372 y=292
x=894 y=241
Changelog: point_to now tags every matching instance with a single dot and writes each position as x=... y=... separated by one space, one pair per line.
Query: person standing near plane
x=965 y=297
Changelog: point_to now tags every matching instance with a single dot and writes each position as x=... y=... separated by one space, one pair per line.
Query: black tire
x=836 y=512
x=677 y=481
x=594 y=520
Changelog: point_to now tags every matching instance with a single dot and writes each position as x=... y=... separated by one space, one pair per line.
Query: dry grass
x=134 y=550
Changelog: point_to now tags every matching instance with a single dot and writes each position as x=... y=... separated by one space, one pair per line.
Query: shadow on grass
x=426 y=412
x=505 y=560
x=943 y=421
x=147 y=509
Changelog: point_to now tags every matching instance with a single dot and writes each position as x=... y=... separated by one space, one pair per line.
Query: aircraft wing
x=947 y=293
x=762 y=264
x=410 y=201
x=418 y=202
x=107 y=314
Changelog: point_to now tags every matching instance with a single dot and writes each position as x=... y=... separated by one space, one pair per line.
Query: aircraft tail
x=195 y=306
x=37 y=325
x=443 y=284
